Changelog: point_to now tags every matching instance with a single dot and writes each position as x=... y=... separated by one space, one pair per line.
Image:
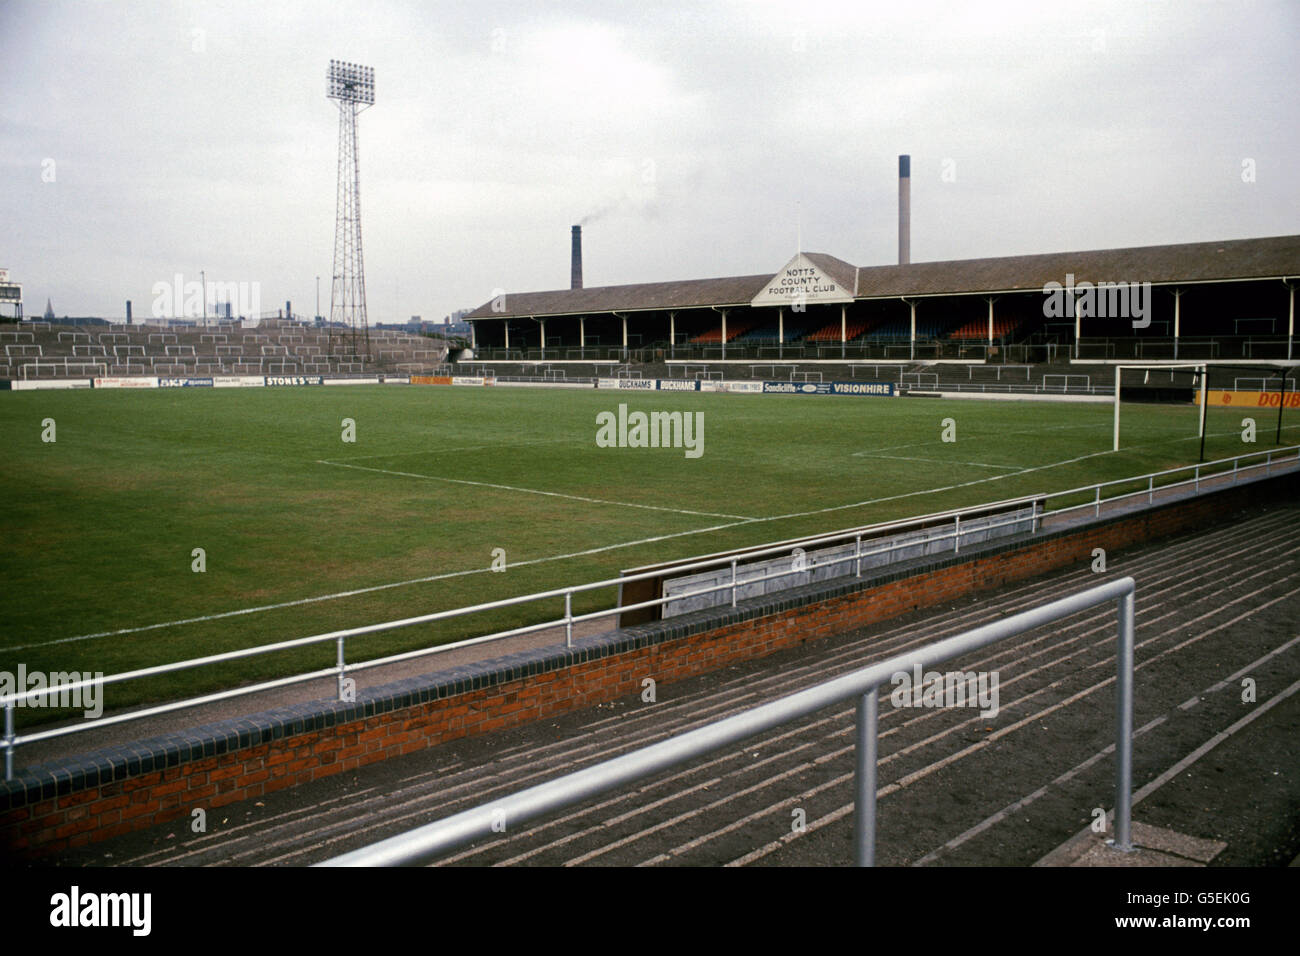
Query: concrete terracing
x=38 y=351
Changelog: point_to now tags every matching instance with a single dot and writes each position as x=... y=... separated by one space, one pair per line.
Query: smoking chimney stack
x=904 y=210
x=575 y=269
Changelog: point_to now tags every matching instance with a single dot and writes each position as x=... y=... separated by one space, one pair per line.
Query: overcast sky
x=694 y=139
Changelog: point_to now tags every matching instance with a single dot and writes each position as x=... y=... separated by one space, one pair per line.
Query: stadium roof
x=1233 y=259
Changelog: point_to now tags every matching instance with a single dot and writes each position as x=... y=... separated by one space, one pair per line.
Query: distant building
x=49 y=311
x=11 y=295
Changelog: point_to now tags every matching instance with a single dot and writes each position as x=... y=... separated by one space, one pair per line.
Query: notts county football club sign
x=801 y=282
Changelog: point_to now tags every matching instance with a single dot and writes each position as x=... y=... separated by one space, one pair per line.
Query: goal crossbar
x=1200 y=368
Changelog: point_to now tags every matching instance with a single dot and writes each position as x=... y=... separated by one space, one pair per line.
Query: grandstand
x=41 y=350
x=1230 y=300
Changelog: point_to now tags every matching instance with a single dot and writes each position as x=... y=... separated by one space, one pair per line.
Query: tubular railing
x=427 y=842
x=1199 y=472
x=12 y=740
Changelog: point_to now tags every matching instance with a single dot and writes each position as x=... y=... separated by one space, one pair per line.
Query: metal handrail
x=10 y=740
x=1150 y=477
x=423 y=844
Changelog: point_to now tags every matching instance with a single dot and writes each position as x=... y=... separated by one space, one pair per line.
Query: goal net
x=1232 y=405
x=1180 y=388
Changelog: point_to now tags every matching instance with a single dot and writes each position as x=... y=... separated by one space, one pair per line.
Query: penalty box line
x=941 y=461
x=443 y=451
x=535 y=491
x=355 y=592
x=534 y=561
x=529 y=562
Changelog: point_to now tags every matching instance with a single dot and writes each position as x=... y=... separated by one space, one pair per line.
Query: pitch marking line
x=874 y=452
x=558 y=557
x=366 y=590
x=452 y=448
x=933 y=491
x=534 y=491
x=940 y=461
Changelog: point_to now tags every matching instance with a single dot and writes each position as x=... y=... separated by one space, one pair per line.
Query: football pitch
x=303 y=532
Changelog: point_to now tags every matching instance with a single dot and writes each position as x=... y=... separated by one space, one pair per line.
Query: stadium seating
x=223 y=349
x=769 y=334
x=831 y=331
x=714 y=336
x=979 y=329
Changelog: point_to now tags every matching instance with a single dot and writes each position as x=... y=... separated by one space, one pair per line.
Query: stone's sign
x=801 y=282
x=272 y=380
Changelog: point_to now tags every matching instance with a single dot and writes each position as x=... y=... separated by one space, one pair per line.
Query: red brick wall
x=100 y=812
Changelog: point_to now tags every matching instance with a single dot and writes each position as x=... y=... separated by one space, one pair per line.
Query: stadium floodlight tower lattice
x=352 y=86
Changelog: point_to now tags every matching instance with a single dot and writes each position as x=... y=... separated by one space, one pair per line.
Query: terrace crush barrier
x=94 y=796
x=426 y=843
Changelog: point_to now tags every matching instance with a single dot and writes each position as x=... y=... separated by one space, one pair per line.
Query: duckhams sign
x=800 y=283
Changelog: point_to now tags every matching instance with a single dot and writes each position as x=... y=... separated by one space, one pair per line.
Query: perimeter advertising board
x=1248 y=399
x=877 y=389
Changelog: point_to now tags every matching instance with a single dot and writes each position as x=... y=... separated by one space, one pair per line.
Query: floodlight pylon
x=352 y=87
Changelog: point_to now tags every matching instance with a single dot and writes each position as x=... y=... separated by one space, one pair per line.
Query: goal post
x=1199 y=370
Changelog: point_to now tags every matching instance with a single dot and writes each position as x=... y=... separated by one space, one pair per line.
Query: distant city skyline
x=145 y=140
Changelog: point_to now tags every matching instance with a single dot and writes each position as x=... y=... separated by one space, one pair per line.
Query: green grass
x=99 y=526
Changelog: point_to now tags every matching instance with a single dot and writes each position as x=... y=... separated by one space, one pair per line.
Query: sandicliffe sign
x=882 y=389
x=796 y=388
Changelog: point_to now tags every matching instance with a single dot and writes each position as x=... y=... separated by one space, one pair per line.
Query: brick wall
x=103 y=794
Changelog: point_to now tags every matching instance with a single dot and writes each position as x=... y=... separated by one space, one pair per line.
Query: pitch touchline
x=534 y=491
x=455 y=574
x=366 y=590
x=558 y=557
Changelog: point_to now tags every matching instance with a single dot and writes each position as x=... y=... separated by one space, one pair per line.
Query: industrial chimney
x=575 y=268
x=904 y=210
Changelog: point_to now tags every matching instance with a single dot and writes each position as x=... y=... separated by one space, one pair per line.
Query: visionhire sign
x=801 y=282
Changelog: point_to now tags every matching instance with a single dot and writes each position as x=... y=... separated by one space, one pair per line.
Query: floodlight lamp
x=351 y=82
